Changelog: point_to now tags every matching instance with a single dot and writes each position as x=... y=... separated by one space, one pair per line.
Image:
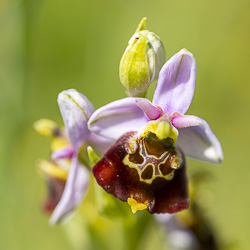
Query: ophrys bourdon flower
x=146 y=166
x=75 y=110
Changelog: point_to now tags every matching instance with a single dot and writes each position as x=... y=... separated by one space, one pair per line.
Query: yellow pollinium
x=162 y=129
x=135 y=206
x=52 y=170
x=45 y=127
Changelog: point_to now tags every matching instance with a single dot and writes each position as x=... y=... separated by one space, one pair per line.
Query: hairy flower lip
x=123 y=182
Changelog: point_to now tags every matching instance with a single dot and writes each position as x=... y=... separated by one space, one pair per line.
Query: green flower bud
x=141 y=61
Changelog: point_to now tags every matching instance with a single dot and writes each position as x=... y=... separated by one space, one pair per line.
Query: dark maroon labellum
x=155 y=174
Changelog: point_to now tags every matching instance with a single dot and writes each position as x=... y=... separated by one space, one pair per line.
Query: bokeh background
x=47 y=46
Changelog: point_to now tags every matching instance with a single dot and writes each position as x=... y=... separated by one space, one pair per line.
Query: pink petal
x=117 y=118
x=176 y=83
x=76 y=110
x=201 y=143
x=74 y=192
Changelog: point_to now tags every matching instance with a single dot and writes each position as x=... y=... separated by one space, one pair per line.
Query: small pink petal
x=62 y=153
x=151 y=111
x=185 y=121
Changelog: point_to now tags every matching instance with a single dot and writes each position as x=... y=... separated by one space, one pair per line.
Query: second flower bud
x=141 y=61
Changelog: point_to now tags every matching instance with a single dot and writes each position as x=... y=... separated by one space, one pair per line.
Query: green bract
x=141 y=61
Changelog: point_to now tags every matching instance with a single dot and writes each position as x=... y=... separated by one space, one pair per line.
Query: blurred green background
x=48 y=46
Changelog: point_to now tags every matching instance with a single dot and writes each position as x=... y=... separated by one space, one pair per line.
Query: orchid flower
x=76 y=110
x=146 y=166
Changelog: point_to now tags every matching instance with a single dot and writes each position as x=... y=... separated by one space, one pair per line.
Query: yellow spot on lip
x=135 y=206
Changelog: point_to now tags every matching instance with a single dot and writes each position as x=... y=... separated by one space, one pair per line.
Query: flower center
x=152 y=156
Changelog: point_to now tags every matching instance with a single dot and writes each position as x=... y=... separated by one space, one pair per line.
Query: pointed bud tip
x=142 y=25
